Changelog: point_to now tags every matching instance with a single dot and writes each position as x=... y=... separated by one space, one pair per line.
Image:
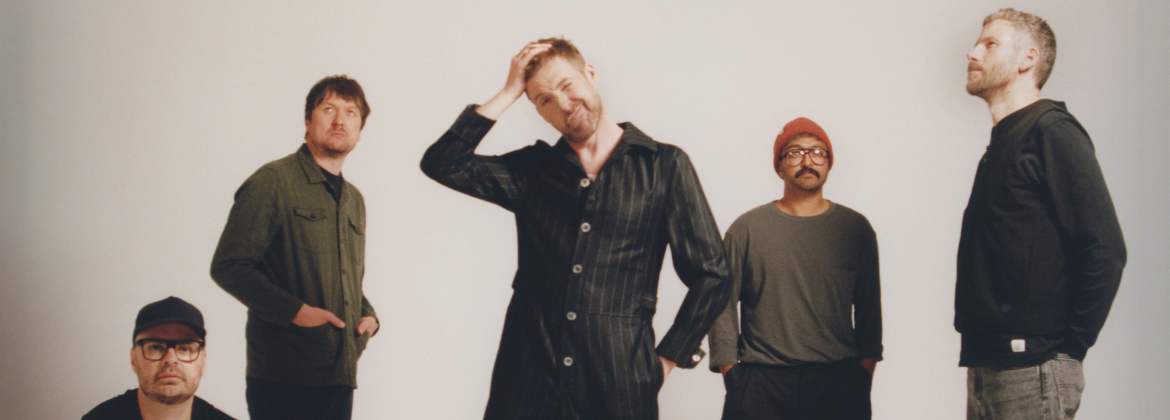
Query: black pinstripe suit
x=578 y=341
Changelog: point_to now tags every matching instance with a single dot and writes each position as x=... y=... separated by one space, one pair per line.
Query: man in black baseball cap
x=168 y=356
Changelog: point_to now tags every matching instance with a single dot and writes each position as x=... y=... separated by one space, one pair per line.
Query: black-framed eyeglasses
x=155 y=349
x=818 y=155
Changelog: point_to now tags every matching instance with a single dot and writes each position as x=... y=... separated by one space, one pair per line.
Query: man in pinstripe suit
x=594 y=214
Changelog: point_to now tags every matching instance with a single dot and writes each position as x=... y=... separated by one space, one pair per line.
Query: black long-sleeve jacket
x=578 y=341
x=1041 y=252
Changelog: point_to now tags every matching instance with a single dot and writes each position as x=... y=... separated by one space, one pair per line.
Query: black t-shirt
x=125 y=407
x=335 y=181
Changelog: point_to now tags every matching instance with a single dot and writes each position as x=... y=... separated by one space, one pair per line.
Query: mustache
x=809 y=170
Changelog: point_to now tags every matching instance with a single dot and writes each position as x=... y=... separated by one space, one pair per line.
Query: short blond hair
x=1038 y=32
x=560 y=48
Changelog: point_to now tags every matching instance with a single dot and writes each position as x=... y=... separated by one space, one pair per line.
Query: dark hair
x=343 y=87
x=1038 y=32
x=560 y=48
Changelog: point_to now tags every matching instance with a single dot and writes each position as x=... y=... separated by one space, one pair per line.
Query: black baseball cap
x=169 y=310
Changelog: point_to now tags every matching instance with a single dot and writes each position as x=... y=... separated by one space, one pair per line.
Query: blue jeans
x=1050 y=391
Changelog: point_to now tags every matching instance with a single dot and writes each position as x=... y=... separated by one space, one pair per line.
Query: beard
x=585 y=129
x=989 y=82
x=169 y=399
x=330 y=146
x=182 y=392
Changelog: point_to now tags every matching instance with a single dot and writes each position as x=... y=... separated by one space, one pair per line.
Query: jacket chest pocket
x=356 y=242
x=314 y=230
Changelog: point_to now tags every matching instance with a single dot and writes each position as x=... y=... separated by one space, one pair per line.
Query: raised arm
x=514 y=87
x=452 y=161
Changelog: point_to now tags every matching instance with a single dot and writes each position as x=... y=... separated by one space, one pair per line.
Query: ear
x=202 y=358
x=1028 y=60
x=591 y=74
x=133 y=361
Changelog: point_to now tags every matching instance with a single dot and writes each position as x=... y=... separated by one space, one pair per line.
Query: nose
x=806 y=157
x=565 y=103
x=171 y=356
x=971 y=54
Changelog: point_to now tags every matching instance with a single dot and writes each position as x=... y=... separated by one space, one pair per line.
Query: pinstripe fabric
x=578 y=342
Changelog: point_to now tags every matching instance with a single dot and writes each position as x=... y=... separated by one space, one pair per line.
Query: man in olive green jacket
x=293 y=252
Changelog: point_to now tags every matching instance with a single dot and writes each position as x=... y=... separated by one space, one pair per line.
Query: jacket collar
x=310 y=167
x=632 y=138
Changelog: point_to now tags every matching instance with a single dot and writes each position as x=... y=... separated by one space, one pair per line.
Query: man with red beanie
x=807 y=333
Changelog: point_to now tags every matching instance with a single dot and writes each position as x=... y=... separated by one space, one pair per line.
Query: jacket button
x=585 y=227
x=568 y=361
x=696 y=358
x=585 y=182
x=577 y=269
x=572 y=316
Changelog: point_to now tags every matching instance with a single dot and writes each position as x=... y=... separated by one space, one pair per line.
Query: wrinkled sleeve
x=452 y=161
x=724 y=336
x=698 y=259
x=237 y=264
x=1091 y=234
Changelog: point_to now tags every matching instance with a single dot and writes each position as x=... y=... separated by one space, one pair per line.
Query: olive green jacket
x=288 y=242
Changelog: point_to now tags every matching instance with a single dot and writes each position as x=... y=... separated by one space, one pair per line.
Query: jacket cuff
x=682 y=348
x=470 y=126
x=286 y=311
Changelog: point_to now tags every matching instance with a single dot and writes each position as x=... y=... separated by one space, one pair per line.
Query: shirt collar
x=635 y=137
x=632 y=139
x=631 y=136
x=310 y=167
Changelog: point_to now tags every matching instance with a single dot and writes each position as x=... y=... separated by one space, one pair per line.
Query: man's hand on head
x=309 y=316
x=514 y=86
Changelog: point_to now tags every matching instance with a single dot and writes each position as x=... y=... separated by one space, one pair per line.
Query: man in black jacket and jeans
x=1041 y=252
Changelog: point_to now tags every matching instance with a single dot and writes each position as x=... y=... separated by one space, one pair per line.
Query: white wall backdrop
x=127 y=126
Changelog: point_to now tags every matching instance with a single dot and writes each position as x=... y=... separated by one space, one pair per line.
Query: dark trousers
x=269 y=400
x=828 y=391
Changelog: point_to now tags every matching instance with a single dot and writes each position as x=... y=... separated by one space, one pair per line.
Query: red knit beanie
x=798 y=126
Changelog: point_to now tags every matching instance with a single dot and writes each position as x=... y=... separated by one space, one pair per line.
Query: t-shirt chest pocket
x=313 y=229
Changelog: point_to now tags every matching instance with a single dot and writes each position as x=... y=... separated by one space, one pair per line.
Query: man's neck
x=802 y=203
x=1012 y=98
x=593 y=151
x=154 y=410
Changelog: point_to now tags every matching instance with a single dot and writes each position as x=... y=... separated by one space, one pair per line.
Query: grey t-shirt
x=808 y=289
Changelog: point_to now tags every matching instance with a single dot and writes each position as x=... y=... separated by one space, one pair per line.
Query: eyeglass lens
x=185 y=350
x=796 y=156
